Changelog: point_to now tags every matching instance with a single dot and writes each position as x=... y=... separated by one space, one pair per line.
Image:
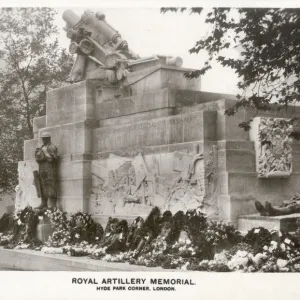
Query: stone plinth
x=283 y=223
x=44 y=229
x=70 y=121
x=30 y=260
x=71 y=104
x=155 y=141
x=189 y=127
x=29 y=149
x=72 y=138
x=26 y=193
x=159 y=77
x=38 y=123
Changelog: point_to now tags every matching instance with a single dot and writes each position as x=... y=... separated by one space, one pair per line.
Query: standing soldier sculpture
x=45 y=179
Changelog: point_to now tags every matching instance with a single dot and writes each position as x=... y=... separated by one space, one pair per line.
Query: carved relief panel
x=273 y=147
x=172 y=181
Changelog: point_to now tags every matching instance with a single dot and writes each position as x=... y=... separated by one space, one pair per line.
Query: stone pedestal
x=283 y=223
x=44 y=230
x=162 y=142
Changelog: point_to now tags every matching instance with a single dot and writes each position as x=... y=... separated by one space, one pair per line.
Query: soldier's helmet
x=46 y=135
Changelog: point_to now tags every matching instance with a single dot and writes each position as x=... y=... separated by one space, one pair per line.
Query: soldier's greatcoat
x=46 y=156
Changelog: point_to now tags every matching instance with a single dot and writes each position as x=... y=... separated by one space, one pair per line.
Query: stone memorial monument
x=133 y=133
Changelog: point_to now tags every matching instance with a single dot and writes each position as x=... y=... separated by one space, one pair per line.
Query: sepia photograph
x=149 y=140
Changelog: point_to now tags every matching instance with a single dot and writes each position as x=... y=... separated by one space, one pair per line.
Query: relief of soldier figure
x=45 y=177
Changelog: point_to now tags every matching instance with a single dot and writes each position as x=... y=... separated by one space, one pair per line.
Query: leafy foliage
x=31 y=63
x=269 y=42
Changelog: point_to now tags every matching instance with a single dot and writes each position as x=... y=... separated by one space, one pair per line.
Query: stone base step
x=30 y=260
x=283 y=223
x=44 y=231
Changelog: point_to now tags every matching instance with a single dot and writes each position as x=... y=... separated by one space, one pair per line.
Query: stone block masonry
x=71 y=104
x=161 y=141
x=160 y=131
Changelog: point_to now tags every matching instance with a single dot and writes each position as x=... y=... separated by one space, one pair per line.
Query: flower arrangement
x=185 y=241
x=121 y=257
x=84 y=228
x=281 y=253
x=52 y=250
x=21 y=232
x=258 y=237
x=99 y=253
x=211 y=266
x=60 y=222
x=240 y=260
x=220 y=233
x=73 y=228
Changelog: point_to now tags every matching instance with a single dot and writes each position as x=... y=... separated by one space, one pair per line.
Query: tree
x=269 y=65
x=31 y=63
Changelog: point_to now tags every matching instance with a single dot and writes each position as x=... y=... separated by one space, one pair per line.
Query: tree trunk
x=28 y=115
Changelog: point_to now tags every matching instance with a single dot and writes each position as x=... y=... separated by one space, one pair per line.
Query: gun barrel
x=70 y=18
x=90 y=18
x=98 y=22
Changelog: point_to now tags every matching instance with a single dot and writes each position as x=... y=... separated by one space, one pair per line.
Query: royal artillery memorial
x=133 y=133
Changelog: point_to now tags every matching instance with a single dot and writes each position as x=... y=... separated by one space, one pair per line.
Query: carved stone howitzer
x=101 y=51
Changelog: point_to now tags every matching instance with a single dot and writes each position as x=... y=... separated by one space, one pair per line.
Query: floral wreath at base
x=187 y=241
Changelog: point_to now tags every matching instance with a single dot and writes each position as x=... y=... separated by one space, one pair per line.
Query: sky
x=149 y=32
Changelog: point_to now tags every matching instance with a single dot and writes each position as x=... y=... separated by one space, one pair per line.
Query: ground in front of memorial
x=30 y=260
